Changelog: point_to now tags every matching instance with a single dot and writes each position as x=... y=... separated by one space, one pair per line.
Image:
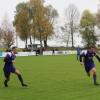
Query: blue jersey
x=88 y=60
x=8 y=66
x=88 y=57
x=78 y=51
x=9 y=58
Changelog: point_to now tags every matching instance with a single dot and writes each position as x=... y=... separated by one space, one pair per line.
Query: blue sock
x=94 y=77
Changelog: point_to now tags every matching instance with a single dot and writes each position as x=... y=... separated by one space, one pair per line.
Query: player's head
x=92 y=48
x=14 y=50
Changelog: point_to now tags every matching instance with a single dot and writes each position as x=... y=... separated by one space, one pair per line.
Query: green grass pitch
x=50 y=78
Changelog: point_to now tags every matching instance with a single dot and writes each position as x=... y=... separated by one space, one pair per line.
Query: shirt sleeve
x=8 y=58
x=81 y=56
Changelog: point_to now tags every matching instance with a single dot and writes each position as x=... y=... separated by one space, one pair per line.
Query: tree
x=8 y=38
x=98 y=18
x=39 y=20
x=31 y=20
x=65 y=35
x=0 y=33
x=72 y=17
x=51 y=14
x=42 y=28
x=7 y=33
x=87 y=24
x=21 y=22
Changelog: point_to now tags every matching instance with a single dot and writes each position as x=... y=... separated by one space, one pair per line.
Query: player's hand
x=13 y=61
x=81 y=63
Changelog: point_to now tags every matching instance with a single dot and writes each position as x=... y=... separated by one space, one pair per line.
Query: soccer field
x=50 y=78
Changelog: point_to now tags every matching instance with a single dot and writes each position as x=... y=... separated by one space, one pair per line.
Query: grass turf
x=50 y=78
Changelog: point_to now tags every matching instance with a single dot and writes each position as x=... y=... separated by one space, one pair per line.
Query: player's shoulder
x=84 y=52
x=9 y=54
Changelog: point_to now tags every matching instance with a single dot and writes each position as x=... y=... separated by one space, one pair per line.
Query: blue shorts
x=8 y=70
x=88 y=67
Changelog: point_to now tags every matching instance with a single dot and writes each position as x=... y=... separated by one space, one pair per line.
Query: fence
x=3 y=54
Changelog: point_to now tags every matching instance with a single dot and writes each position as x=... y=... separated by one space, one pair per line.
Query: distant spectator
x=53 y=51
x=37 y=52
x=78 y=52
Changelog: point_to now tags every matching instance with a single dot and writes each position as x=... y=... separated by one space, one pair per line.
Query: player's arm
x=13 y=61
x=81 y=58
x=7 y=58
x=98 y=58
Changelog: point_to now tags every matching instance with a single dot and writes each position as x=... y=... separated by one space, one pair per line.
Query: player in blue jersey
x=9 y=67
x=78 y=52
x=87 y=60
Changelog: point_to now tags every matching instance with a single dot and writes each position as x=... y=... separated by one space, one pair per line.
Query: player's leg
x=87 y=69
x=17 y=72
x=7 y=78
x=93 y=70
x=88 y=73
x=77 y=56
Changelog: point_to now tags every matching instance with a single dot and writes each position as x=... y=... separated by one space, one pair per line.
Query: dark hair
x=91 y=46
x=14 y=47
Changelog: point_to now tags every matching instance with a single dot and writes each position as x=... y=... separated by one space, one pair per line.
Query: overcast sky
x=8 y=6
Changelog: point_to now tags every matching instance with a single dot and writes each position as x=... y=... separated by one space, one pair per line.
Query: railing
x=3 y=54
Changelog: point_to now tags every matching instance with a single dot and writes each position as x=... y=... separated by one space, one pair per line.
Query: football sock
x=5 y=83
x=21 y=80
x=94 y=78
